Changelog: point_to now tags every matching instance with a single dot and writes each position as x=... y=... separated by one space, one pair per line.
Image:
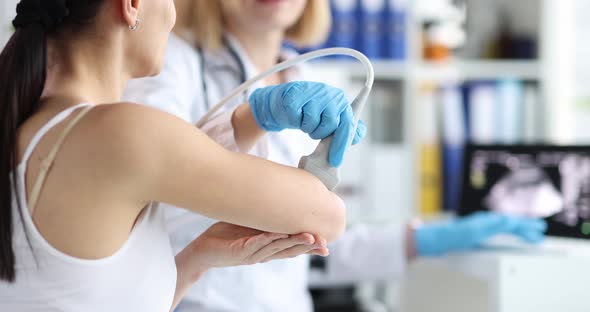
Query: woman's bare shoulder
x=134 y=122
x=130 y=138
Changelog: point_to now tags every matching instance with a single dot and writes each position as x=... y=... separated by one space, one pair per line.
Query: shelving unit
x=384 y=70
x=551 y=72
x=479 y=70
x=452 y=70
x=391 y=190
x=386 y=174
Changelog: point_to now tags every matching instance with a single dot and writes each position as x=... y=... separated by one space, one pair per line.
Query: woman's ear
x=130 y=11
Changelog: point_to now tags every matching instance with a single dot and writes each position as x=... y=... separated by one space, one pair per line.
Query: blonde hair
x=312 y=28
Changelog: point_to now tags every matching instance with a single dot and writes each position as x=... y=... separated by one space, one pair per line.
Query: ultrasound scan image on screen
x=550 y=182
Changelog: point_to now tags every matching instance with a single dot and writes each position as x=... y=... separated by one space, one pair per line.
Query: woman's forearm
x=188 y=273
x=246 y=130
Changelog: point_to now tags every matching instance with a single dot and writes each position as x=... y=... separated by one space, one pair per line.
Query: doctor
x=220 y=44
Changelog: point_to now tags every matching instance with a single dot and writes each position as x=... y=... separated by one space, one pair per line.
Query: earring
x=136 y=26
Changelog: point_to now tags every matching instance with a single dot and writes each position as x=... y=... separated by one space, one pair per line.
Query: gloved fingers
x=297 y=97
x=279 y=107
x=488 y=224
x=331 y=116
x=470 y=231
x=361 y=132
x=341 y=138
x=532 y=224
x=482 y=214
x=473 y=230
x=518 y=225
x=280 y=245
x=298 y=93
x=312 y=114
x=532 y=237
x=531 y=230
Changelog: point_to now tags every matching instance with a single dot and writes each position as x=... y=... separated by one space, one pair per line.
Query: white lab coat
x=363 y=253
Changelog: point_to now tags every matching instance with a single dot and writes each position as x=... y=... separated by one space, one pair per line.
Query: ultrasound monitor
x=542 y=181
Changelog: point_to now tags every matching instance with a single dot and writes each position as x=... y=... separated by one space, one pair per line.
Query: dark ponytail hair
x=23 y=71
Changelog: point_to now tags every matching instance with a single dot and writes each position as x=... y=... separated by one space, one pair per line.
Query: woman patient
x=81 y=172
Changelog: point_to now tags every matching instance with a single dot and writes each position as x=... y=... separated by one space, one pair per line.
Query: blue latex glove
x=314 y=108
x=471 y=231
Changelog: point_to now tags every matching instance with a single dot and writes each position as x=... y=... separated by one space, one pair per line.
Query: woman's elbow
x=333 y=221
x=339 y=223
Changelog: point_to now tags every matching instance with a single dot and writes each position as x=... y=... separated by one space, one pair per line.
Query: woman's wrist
x=189 y=263
x=246 y=130
x=188 y=272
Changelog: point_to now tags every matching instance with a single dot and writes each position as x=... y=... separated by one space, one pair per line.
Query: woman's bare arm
x=168 y=160
x=225 y=244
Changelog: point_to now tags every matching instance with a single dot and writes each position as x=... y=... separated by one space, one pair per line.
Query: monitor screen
x=550 y=182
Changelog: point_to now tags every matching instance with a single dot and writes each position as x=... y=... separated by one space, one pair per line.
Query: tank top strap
x=47 y=162
x=52 y=123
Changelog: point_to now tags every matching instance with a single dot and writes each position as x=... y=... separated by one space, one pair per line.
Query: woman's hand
x=314 y=108
x=225 y=244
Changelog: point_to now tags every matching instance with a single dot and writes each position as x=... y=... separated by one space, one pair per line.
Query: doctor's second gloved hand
x=315 y=108
x=471 y=231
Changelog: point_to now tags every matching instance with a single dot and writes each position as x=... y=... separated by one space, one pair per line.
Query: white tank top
x=141 y=276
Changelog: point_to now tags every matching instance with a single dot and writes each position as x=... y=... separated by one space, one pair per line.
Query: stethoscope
x=240 y=71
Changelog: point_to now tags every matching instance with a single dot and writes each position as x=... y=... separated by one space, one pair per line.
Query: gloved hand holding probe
x=315 y=108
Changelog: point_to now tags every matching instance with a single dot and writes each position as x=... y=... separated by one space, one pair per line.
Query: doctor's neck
x=263 y=48
x=184 y=15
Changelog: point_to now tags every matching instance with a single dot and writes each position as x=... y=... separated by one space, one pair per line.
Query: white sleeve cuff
x=221 y=130
x=364 y=253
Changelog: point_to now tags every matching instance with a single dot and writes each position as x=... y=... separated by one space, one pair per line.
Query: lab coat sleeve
x=220 y=128
x=363 y=253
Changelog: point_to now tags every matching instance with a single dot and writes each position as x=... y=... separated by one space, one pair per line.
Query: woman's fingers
x=321 y=249
x=280 y=245
x=318 y=248
x=322 y=252
x=295 y=251
x=261 y=240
